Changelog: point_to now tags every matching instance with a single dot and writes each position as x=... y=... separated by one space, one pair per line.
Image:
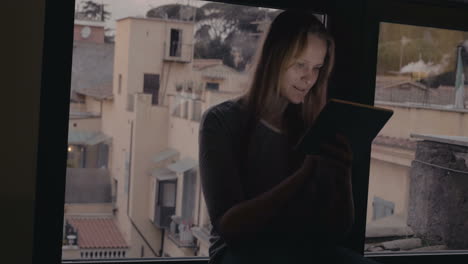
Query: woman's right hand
x=309 y=165
x=334 y=153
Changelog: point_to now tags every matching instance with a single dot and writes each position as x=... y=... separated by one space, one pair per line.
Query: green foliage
x=221 y=29
x=94 y=10
x=214 y=49
x=176 y=11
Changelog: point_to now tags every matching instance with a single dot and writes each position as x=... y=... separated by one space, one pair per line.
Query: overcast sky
x=125 y=8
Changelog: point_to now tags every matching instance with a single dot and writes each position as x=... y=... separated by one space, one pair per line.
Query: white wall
x=406 y=120
x=92 y=124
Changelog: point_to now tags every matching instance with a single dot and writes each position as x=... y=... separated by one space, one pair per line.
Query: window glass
x=186 y=55
x=168 y=190
x=212 y=86
x=151 y=86
x=418 y=172
x=176 y=42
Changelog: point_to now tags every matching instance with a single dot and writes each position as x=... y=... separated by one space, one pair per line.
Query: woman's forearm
x=328 y=203
x=342 y=207
x=253 y=215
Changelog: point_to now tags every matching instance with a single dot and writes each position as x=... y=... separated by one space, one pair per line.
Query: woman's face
x=303 y=71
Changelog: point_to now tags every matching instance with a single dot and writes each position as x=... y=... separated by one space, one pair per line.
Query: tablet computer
x=360 y=123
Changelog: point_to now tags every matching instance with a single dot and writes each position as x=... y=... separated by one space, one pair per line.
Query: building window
x=103 y=156
x=188 y=198
x=151 y=86
x=176 y=43
x=76 y=156
x=212 y=86
x=166 y=203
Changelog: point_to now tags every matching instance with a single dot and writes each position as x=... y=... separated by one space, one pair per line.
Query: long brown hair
x=285 y=40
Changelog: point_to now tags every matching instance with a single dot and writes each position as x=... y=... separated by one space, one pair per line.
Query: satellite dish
x=85 y=32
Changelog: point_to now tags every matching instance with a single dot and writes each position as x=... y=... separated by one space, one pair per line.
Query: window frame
x=437 y=14
x=160 y=195
x=175 y=46
x=352 y=22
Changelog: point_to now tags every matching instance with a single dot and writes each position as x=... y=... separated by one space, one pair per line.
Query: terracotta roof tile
x=99 y=232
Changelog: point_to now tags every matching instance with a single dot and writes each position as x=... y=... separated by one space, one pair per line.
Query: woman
x=267 y=202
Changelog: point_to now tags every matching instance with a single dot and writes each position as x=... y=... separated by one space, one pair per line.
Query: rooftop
x=99 y=232
x=453 y=140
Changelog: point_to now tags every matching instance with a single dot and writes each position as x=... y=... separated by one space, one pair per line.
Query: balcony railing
x=180 y=232
x=183 y=53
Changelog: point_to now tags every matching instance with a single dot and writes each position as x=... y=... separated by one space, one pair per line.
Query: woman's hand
x=337 y=152
x=334 y=153
x=327 y=190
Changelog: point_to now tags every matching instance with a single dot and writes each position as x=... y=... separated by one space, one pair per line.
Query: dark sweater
x=270 y=159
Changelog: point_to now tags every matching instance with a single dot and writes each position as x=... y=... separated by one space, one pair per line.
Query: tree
x=176 y=11
x=93 y=10
x=222 y=31
x=214 y=49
